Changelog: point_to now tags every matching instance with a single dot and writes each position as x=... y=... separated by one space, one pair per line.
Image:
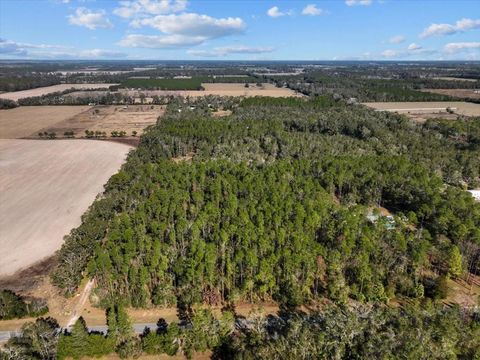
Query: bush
x=7 y=104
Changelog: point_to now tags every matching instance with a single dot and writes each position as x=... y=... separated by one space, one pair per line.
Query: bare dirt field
x=420 y=111
x=109 y=118
x=453 y=78
x=27 y=120
x=462 y=93
x=16 y=95
x=45 y=187
x=218 y=89
x=225 y=89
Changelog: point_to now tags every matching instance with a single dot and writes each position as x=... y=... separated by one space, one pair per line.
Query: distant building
x=475 y=194
x=389 y=220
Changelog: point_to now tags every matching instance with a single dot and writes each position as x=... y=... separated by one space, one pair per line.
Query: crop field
x=420 y=111
x=461 y=93
x=224 y=89
x=46 y=186
x=26 y=121
x=16 y=95
x=450 y=78
x=217 y=89
x=108 y=118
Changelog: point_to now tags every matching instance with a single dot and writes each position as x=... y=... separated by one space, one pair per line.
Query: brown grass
x=218 y=89
x=46 y=186
x=16 y=95
x=109 y=118
x=420 y=111
x=27 y=120
x=451 y=78
x=462 y=93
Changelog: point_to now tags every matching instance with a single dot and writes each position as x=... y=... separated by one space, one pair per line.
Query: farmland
x=421 y=111
x=215 y=89
x=16 y=95
x=46 y=186
x=109 y=118
x=27 y=121
x=459 y=93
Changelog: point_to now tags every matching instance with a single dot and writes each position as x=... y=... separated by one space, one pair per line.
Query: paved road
x=5 y=335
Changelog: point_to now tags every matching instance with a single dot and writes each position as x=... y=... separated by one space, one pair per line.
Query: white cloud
x=160 y=41
x=99 y=53
x=312 y=10
x=179 y=30
x=413 y=47
x=413 y=50
x=396 y=39
x=226 y=50
x=461 y=25
x=11 y=48
x=390 y=54
x=358 y=2
x=44 y=51
x=191 y=24
x=461 y=46
x=129 y=9
x=90 y=19
x=275 y=12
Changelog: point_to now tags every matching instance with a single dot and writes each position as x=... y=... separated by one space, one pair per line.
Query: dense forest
x=284 y=200
x=273 y=203
x=373 y=84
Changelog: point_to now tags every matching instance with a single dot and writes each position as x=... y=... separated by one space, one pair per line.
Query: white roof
x=475 y=194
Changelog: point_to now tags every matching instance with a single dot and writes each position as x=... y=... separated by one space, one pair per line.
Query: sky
x=240 y=29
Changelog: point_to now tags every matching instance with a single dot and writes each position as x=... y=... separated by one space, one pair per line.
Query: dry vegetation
x=452 y=78
x=46 y=186
x=461 y=93
x=421 y=111
x=107 y=118
x=218 y=89
x=16 y=95
x=27 y=120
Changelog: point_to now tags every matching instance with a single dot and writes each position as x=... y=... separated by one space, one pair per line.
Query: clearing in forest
x=108 y=118
x=28 y=121
x=420 y=111
x=459 y=93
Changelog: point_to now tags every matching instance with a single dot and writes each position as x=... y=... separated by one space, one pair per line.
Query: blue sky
x=240 y=29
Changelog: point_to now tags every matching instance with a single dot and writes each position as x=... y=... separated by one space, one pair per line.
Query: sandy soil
x=462 y=93
x=453 y=78
x=109 y=118
x=218 y=89
x=430 y=107
x=45 y=187
x=15 y=95
x=27 y=120
x=225 y=89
